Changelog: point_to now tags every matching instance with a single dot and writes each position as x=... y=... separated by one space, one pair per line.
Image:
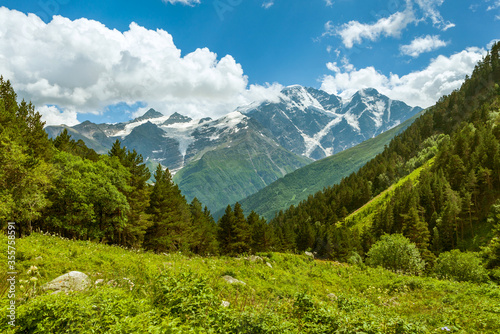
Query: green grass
x=363 y=217
x=297 y=186
x=173 y=293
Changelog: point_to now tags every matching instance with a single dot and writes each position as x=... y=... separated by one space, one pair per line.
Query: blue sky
x=205 y=57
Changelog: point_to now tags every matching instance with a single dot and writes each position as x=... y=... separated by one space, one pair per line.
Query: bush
x=460 y=266
x=396 y=253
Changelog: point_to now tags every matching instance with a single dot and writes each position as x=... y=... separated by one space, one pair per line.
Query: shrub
x=396 y=253
x=460 y=266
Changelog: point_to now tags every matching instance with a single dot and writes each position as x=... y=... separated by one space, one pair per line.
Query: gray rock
x=269 y=265
x=253 y=258
x=99 y=281
x=309 y=254
x=72 y=281
x=232 y=280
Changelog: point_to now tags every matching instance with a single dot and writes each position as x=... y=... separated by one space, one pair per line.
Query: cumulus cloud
x=51 y=115
x=83 y=66
x=182 y=2
x=421 y=45
x=420 y=88
x=354 y=32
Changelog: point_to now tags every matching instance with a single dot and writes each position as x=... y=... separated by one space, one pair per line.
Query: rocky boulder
x=72 y=281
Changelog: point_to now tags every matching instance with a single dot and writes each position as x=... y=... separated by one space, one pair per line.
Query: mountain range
x=221 y=161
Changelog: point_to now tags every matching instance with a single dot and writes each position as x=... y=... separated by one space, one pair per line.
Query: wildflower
x=445 y=329
x=33 y=279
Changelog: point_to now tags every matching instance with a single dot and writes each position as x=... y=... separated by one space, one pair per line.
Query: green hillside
x=283 y=293
x=236 y=170
x=299 y=185
x=363 y=217
x=452 y=205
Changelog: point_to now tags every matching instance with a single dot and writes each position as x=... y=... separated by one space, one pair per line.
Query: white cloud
x=422 y=88
x=183 y=2
x=329 y=3
x=51 y=115
x=430 y=10
x=495 y=5
x=268 y=4
x=354 y=32
x=82 y=66
x=422 y=44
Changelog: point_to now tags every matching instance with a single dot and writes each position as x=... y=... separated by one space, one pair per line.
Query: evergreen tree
x=227 y=231
x=204 y=236
x=262 y=233
x=171 y=228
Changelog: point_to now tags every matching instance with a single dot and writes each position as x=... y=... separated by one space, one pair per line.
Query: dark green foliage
x=235 y=234
x=63 y=142
x=298 y=185
x=25 y=175
x=204 y=236
x=169 y=212
x=444 y=208
x=87 y=199
x=63 y=186
x=137 y=195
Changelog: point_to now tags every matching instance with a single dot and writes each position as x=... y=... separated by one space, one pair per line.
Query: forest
x=61 y=186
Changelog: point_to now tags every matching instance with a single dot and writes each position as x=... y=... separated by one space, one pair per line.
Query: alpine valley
x=225 y=160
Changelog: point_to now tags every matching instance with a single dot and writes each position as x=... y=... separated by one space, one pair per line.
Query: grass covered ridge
x=178 y=294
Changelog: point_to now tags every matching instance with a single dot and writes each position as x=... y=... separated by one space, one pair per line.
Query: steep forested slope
x=299 y=185
x=453 y=204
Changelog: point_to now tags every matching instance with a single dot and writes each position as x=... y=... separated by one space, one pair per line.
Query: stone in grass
x=72 y=281
x=309 y=254
x=232 y=280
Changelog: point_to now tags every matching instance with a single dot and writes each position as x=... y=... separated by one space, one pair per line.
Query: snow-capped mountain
x=172 y=140
x=315 y=124
x=224 y=160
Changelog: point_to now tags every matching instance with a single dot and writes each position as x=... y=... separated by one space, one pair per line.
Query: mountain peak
x=177 y=118
x=369 y=92
x=150 y=114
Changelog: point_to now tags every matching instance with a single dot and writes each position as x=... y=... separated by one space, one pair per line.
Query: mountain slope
x=316 y=124
x=455 y=204
x=306 y=181
x=307 y=123
x=236 y=169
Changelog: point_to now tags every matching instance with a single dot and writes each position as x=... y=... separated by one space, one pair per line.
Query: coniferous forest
x=428 y=205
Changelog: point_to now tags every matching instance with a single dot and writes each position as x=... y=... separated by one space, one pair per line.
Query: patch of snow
x=352 y=120
x=131 y=126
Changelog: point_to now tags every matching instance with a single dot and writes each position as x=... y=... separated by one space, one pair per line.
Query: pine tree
x=227 y=231
x=204 y=236
x=262 y=233
x=171 y=228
